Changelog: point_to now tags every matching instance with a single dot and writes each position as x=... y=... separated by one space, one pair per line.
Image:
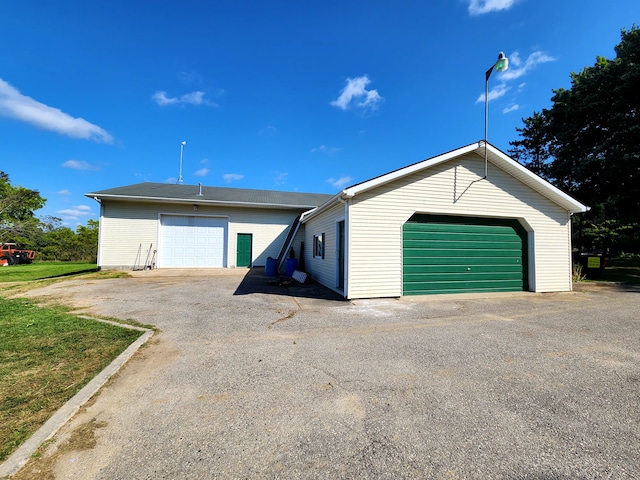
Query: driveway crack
x=291 y=314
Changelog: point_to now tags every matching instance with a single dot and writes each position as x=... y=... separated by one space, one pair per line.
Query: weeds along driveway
x=243 y=383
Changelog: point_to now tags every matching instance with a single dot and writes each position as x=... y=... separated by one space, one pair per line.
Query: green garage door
x=462 y=254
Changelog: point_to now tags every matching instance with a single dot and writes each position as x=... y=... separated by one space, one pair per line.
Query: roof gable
x=495 y=157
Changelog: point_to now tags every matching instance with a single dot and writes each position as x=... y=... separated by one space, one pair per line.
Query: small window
x=318 y=246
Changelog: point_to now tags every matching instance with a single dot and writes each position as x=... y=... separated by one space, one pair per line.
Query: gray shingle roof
x=181 y=193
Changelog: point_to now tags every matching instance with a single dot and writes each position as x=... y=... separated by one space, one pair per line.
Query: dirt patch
x=42 y=465
x=79 y=435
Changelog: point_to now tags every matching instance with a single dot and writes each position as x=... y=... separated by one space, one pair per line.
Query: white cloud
x=480 y=7
x=161 y=99
x=192 y=98
x=64 y=192
x=231 y=177
x=201 y=173
x=515 y=60
x=495 y=93
x=356 y=93
x=325 y=149
x=340 y=182
x=80 y=165
x=15 y=105
x=191 y=78
x=533 y=60
x=511 y=108
x=268 y=131
x=280 y=178
x=74 y=213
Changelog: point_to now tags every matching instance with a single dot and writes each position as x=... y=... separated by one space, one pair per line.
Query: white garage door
x=192 y=242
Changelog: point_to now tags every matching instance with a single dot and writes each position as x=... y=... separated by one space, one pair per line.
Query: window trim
x=319 y=246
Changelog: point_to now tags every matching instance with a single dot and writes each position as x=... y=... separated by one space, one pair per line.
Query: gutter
x=339 y=197
x=199 y=201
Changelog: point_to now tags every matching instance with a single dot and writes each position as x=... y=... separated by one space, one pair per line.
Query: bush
x=577 y=274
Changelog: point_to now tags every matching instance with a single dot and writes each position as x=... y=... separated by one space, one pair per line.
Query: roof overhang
x=192 y=201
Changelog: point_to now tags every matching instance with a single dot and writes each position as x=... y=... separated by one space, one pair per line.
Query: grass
x=41 y=270
x=46 y=356
x=622 y=269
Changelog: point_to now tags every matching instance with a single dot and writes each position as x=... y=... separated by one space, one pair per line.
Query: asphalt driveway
x=252 y=379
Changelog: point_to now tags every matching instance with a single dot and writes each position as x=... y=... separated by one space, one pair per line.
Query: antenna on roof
x=180 y=181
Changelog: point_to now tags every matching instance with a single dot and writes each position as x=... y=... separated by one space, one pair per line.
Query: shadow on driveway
x=255 y=281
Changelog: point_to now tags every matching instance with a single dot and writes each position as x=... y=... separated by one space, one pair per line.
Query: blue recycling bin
x=271 y=268
x=290 y=266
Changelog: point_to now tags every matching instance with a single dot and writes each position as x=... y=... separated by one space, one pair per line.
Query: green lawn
x=623 y=269
x=46 y=356
x=42 y=270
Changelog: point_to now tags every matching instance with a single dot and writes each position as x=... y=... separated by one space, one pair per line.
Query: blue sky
x=284 y=95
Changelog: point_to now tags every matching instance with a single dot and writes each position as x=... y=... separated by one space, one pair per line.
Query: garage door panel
x=463 y=245
x=431 y=269
x=192 y=241
x=449 y=261
x=467 y=283
x=481 y=226
x=463 y=277
x=461 y=288
x=449 y=237
x=455 y=254
x=434 y=253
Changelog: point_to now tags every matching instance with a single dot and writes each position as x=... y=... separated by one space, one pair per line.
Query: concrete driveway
x=249 y=379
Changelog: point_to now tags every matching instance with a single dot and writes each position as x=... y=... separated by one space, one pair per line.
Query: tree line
x=588 y=145
x=46 y=236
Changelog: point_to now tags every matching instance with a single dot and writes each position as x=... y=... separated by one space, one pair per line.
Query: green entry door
x=461 y=254
x=243 y=247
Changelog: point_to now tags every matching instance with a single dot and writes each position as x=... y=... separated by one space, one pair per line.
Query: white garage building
x=437 y=226
x=190 y=226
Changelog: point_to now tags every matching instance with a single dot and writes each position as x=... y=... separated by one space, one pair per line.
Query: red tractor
x=11 y=254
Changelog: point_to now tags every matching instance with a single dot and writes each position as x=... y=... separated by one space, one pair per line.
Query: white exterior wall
x=323 y=270
x=453 y=188
x=126 y=225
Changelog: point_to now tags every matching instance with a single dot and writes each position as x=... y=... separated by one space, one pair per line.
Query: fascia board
x=198 y=201
x=306 y=216
x=543 y=187
x=403 y=172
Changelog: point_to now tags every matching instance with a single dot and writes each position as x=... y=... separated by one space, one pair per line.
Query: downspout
x=99 y=255
x=344 y=199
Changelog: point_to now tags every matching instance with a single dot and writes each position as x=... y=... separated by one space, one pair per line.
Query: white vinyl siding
x=124 y=226
x=375 y=220
x=452 y=188
x=323 y=269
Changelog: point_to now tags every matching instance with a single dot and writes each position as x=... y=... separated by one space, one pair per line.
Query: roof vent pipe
x=199 y=189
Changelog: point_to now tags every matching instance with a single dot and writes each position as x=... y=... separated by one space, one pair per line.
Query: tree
x=17 y=206
x=532 y=150
x=589 y=140
x=88 y=241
